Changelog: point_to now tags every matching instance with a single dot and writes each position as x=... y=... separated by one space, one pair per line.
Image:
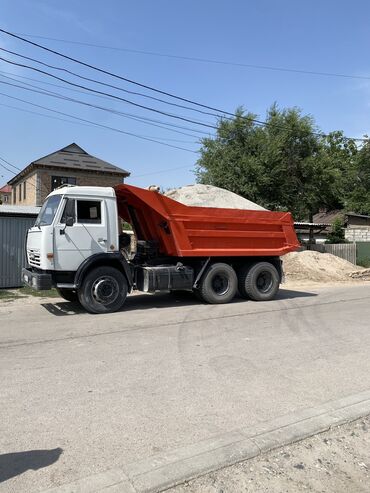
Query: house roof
x=353 y=214
x=19 y=210
x=6 y=189
x=327 y=217
x=72 y=157
x=305 y=225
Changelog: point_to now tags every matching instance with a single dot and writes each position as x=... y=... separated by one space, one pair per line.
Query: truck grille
x=33 y=257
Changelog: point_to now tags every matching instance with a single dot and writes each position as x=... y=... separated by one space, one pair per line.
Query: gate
x=13 y=229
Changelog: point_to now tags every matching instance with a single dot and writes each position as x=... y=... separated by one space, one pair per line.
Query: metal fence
x=347 y=251
x=363 y=253
x=13 y=231
x=343 y=250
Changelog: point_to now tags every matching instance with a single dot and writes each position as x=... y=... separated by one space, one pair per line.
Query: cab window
x=89 y=211
x=48 y=210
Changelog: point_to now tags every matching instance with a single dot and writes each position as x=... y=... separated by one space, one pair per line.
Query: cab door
x=80 y=232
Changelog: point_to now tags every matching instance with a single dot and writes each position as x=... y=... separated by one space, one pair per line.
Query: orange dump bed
x=186 y=231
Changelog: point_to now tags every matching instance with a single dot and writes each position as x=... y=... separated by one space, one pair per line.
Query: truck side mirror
x=69 y=221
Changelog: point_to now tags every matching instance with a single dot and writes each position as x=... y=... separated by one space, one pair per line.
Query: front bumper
x=36 y=280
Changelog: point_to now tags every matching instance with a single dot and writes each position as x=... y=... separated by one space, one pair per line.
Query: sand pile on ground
x=319 y=267
x=361 y=275
x=209 y=196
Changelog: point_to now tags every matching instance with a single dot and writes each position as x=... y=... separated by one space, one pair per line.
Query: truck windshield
x=48 y=210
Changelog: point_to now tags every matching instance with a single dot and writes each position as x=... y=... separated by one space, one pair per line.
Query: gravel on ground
x=336 y=461
x=210 y=196
x=309 y=265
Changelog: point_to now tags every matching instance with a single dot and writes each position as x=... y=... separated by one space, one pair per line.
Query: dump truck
x=78 y=246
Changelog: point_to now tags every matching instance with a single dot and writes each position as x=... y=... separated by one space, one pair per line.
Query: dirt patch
x=210 y=196
x=320 y=267
x=361 y=275
x=335 y=461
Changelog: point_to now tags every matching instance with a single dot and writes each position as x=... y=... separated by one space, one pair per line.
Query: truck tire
x=103 y=290
x=68 y=294
x=259 y=282
x=219 y=284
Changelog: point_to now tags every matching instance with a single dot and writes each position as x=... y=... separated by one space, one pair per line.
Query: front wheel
x=103 y=290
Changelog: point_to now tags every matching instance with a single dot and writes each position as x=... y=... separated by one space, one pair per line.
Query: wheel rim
x=105 y=290
x=220 y=284
x=264 y=281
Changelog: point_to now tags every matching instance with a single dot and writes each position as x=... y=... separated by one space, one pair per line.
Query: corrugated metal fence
x=13 y=231
x=342 y=250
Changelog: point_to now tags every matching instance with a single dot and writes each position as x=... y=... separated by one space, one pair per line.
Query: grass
x=364 y=262
x=7 y=295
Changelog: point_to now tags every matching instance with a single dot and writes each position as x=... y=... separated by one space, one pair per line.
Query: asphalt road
x=84 y=394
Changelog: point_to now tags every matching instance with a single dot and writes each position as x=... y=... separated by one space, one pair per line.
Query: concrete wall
x=357 y=234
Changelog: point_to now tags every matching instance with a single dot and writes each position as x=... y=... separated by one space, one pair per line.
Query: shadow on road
x=288 y=294
x=161 y=300
x=17 y=463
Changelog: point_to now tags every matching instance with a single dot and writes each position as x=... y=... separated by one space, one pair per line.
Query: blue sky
x=329 y=36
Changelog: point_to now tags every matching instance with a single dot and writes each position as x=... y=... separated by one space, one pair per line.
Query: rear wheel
x=259 y=282
x=218 y=284
x=103 y=290
x=68 y=294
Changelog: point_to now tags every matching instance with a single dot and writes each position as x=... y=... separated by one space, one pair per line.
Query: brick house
x=70 y=165
x=356 y=226
x=5 y=194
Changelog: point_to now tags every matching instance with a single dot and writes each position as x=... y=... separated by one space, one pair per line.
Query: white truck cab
x=75 y=224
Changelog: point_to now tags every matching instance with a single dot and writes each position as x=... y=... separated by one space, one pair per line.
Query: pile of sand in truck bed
x=210 y=196
x=318 y=267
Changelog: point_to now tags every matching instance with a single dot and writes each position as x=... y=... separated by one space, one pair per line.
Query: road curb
x=170 y=468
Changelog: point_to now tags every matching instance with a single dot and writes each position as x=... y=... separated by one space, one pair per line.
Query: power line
x=62 y=119
x=7 y=162
x=108 y=94
x=200 y=59
x=66 y=98
x=106 y=72
x=160 y=171
x=99 y=124
x=259 y=122
x=15 y=174
x=110 y=110
x=105 y=83
x=134 y=176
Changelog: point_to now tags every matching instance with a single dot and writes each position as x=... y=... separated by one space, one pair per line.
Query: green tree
x=358 y=198
x=336 y=234
x=284 y=165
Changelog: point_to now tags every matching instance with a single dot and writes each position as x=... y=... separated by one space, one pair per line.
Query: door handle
x=102 y=240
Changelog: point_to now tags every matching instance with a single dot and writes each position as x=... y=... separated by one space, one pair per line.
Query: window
x=14 y=195
x=58 y=181
x=69 y=211
x=89 y=211
x=20 y=192
x=6 y=198
x=24 y=190
x=48 y=210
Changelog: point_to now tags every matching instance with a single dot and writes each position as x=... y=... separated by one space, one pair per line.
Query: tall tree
x=358 y=199
x=284 y=165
